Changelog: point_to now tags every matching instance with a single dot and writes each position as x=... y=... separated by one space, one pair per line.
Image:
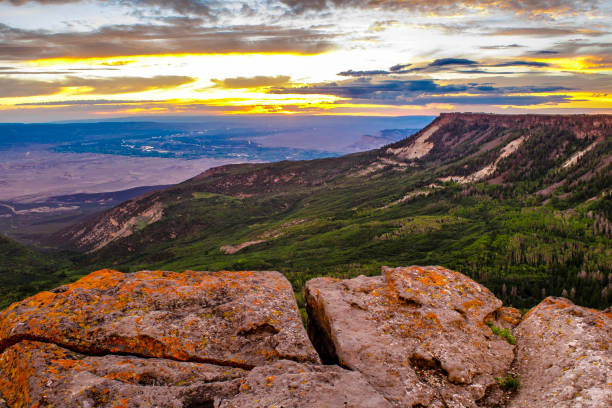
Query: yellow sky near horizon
x=374 y=61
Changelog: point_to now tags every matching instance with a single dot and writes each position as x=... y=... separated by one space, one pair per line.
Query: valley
x=528 y=227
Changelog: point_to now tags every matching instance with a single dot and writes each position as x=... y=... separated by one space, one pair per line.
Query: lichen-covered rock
x=507 y=317
x=418 y=335
x=34 y=374
x=292 y=385
x=240 y=319
x=564 y=357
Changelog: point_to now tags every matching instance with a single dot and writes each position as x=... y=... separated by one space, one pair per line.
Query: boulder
x=239 y=319
x=52 y=376
x=564 y=357
x=288 y=384
x=418 y=335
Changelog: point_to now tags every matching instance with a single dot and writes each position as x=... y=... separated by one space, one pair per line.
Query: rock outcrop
x=52 y=376
x=239 y=319
x=412 y=337
x=419 y=335
x=291 y=385
x=564 y=357
x=165 y=339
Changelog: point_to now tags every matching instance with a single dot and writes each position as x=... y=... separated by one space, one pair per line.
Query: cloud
x=252 y=82
x=379 y=26
x=399 y=67
x=87 y=102
x=210 y=8
x=351 y=73
x=10 y=87
x=148 y=39
x=366 y=88
x=44 y=2
x=496 y=100
x=14 y=87
x=522 y=64
x=501 y=47
x=206 y=8
x=529 y=7
x=451 y=61
x=444 y=65
x=545 y=32
x=395 y=91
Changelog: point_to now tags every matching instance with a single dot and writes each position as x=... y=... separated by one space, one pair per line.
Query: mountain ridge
x=433 y=140
x=519 y=203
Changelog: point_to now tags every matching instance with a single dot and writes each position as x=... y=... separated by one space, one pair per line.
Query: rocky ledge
x=412 y=337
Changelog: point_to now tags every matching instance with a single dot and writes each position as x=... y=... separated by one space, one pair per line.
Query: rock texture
x=52 y=376
x=417 y=334
x=288 y=384
x=412 y=337
x=239 y=319
x=171 y=340
x=564 y=357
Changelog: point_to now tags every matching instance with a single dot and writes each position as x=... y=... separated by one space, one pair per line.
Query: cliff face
x=412 y=337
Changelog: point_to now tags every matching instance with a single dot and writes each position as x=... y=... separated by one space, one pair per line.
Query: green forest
x=521 y=238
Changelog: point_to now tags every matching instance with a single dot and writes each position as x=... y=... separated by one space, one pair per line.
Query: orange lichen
x=431 y=277
x=122 y=403
x=87 y=314
x=472 y=303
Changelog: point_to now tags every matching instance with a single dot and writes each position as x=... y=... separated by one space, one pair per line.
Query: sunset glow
x=290 y=57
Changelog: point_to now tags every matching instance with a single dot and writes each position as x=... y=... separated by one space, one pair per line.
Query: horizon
x=66 y=60
x=197 y=118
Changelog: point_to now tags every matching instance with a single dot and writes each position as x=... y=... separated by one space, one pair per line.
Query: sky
x=83 y=59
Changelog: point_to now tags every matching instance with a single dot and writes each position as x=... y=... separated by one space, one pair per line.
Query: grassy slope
x=328 y=217
x=24 y=271
x=334 y=223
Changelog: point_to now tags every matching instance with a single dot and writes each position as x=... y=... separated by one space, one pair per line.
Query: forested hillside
x=24 y=271
x=520 y=203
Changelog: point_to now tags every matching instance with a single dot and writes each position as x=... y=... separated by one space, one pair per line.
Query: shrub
x=509 y=383
x=505 y=333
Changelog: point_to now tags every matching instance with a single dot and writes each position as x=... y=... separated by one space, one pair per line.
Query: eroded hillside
x=519 y=202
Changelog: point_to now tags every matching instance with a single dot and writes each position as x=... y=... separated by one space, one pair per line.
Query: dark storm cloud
x=395 y=91
x=16 y=87
x=148 y=39
x=529 y=7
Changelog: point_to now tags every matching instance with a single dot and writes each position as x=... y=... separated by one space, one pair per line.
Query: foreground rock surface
x=412 y=337
x=240 y=319
x=564 y=357
x=417 y=334
x=52 y=376
x=288 y=384
x=163 y=339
